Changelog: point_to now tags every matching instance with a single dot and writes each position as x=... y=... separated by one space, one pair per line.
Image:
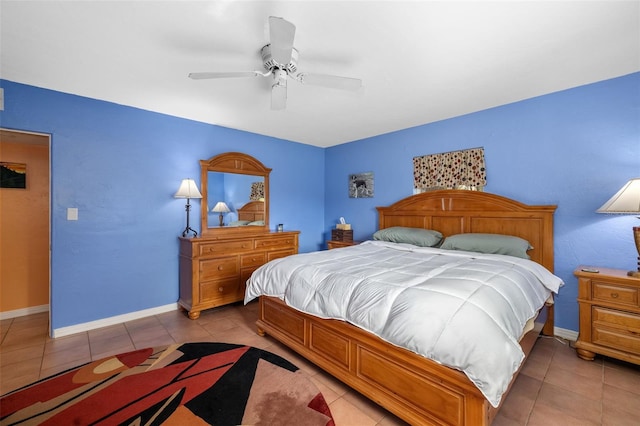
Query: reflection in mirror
x=240 y=182
x=243 y=195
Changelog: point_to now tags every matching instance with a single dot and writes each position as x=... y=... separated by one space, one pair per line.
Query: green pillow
x=239 y=223
x=416 y=236
x=488 y=243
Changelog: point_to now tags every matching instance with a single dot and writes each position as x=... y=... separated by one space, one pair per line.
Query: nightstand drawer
x=613 y=293
x=616 y=329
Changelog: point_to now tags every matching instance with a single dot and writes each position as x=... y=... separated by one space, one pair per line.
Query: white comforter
x=464 y=310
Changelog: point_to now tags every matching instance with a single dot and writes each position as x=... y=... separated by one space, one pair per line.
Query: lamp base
x=187 y=230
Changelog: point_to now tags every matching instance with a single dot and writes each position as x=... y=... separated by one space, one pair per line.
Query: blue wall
x=573 y=148
x=120 y=167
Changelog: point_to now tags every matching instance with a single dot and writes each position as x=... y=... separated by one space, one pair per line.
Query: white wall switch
x=72 y=213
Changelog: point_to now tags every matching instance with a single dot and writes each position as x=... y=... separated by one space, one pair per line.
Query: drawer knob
x=614 y=295
x=220 y=268
x=221 y=289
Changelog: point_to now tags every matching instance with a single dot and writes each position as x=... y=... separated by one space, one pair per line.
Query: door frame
x=27 y=136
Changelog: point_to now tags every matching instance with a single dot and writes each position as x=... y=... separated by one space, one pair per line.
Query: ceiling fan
x=280 y=59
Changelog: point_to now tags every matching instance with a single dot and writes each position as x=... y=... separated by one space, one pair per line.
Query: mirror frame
x=238 y=163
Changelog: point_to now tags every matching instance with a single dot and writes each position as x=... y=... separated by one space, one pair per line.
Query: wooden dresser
x=214 y=270
x=609 y=303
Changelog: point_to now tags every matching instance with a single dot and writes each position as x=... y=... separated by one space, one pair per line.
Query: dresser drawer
x=219 y=267
x=607 y=292
x=253 y=259
x=278 y=254
x=220 y=290
x=225 y=247
x=275 y=243
x=616 y=329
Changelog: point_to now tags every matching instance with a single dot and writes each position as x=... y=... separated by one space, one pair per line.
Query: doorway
x=25 y=224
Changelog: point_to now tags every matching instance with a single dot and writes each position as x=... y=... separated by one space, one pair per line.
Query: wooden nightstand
x=609 y=303
x=332 y=244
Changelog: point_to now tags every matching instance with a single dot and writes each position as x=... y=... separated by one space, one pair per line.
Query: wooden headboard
x=460 y=211
x=252 y=211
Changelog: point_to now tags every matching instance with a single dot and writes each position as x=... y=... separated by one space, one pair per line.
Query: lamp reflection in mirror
x=627 y=201
x=221 y=208
x=188 y=189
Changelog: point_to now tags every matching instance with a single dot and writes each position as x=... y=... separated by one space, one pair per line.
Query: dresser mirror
x=241 y=182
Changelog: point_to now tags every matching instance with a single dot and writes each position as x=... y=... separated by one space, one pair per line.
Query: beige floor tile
x=79 y=355
x=346 y=414
x=576 y=379
x=368 y=407
x=624 y=376
x=20 y=354
x=572 y=404
x=545 y=415
x=619 y=401
x=67 y=343
x=519 y=403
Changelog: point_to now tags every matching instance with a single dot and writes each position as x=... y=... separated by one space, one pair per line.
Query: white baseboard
x=24 y=311
x=91 y=325
x=565 y=333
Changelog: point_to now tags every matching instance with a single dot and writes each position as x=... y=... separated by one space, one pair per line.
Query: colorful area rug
x=185 y=384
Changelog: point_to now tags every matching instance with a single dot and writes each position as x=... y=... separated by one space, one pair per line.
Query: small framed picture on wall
x=13 y=175
x=361 y=185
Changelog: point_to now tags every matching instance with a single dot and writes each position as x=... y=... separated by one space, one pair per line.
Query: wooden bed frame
x=415 y=388
x=252 y=211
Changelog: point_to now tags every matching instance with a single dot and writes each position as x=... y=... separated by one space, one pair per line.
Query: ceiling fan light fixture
x=269 y=63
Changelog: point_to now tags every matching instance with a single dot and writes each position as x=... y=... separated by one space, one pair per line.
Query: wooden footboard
x=416 y=389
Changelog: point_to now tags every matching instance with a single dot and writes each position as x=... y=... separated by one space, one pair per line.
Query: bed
x=415 y=388
x=251 y=214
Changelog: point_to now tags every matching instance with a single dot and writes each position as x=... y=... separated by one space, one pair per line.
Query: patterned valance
x=257 y=191
x=456 y=169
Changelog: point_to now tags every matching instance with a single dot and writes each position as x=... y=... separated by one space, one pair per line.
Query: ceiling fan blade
x=204 y=75
x=279 y=90
x=281 y=34
x=331 y=81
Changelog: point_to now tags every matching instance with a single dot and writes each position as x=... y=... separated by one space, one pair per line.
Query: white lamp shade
x=188 y=189
x=625 y=201
x=220 y=207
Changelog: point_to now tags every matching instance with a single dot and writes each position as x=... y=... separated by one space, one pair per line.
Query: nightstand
x=333 y=244
x=609 y=303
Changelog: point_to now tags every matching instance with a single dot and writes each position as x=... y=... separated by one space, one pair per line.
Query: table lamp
x=188 y=189
x=627 y=201
x=221 y=208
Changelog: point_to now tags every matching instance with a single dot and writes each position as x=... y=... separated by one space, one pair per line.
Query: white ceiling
x=420 y=61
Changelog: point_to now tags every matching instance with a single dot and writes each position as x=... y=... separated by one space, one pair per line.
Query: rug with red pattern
x=183 y=384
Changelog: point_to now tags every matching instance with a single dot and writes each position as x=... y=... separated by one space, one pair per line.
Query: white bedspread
x=464 y=310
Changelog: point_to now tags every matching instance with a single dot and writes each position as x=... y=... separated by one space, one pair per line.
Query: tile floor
x=554 y=388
